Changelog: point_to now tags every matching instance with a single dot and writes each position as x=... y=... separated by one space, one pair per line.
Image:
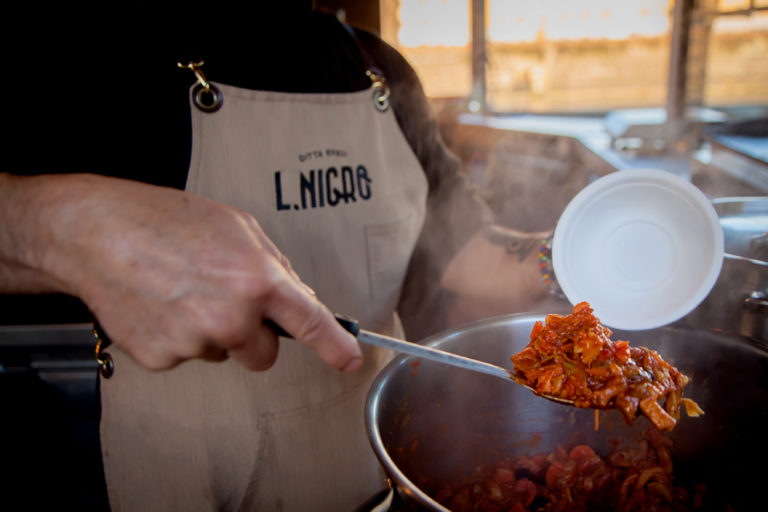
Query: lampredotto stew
x=631 y=478
x=572 y=357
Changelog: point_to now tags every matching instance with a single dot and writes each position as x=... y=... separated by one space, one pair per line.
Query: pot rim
x=403 y=483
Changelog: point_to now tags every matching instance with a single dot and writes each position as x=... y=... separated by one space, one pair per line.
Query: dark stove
x=49 y=432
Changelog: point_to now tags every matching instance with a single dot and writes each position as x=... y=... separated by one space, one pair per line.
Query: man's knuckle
x=156 y=361
x=315 y=327
x=214 y=323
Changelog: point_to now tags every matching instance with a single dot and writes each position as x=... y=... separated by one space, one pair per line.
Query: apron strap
x=378 y=80
x=208 y=98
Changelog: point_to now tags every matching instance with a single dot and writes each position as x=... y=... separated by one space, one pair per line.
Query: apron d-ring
x=208 y=99
x=206 y=96
x=380 y=90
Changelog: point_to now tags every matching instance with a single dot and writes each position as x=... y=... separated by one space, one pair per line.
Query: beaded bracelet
x=546 y=271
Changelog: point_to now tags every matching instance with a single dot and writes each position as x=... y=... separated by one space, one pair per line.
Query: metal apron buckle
x=206 y=96
x=380 y=89
x=106 y=364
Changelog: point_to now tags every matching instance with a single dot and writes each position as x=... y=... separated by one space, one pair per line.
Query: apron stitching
x=368 y=257
x=332 y=401
x=354 y=97
x=198 y=132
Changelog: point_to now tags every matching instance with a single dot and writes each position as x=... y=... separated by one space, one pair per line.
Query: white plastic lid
x=644 y=247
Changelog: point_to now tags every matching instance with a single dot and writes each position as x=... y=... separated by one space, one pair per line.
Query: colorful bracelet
x=546 y=271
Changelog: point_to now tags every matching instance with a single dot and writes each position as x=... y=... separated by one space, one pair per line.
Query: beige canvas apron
x=334 y=183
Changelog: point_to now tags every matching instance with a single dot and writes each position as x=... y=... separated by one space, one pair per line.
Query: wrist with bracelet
x=522 y=246
x=546 y=270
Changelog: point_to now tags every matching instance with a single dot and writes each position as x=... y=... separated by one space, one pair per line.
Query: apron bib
x=333 y=182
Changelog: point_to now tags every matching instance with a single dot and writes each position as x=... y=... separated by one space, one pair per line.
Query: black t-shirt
x=103 y=93
x=100 y=92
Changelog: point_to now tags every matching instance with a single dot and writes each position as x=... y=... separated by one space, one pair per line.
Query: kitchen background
x=532 y=95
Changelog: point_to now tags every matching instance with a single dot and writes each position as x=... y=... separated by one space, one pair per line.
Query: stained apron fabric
x=333 y=182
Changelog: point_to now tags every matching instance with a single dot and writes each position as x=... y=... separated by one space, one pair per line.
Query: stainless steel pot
x=738 y=301
x=430 y=424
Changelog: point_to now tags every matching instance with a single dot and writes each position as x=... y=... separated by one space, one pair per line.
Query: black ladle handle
x=349 y=324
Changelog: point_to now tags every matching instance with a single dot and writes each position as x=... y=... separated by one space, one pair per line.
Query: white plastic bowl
x=644 y=247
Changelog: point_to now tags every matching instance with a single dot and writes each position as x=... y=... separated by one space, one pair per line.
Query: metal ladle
x=426 y=352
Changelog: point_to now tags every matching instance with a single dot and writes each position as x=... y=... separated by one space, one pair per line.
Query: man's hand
x=170 y=275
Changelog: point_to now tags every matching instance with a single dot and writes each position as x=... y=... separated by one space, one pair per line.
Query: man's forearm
x=24 y=236
x=515 y=243
x=498 y=264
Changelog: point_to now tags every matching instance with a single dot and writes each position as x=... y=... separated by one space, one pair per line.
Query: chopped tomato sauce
x=572 y=357
x=629 y=479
